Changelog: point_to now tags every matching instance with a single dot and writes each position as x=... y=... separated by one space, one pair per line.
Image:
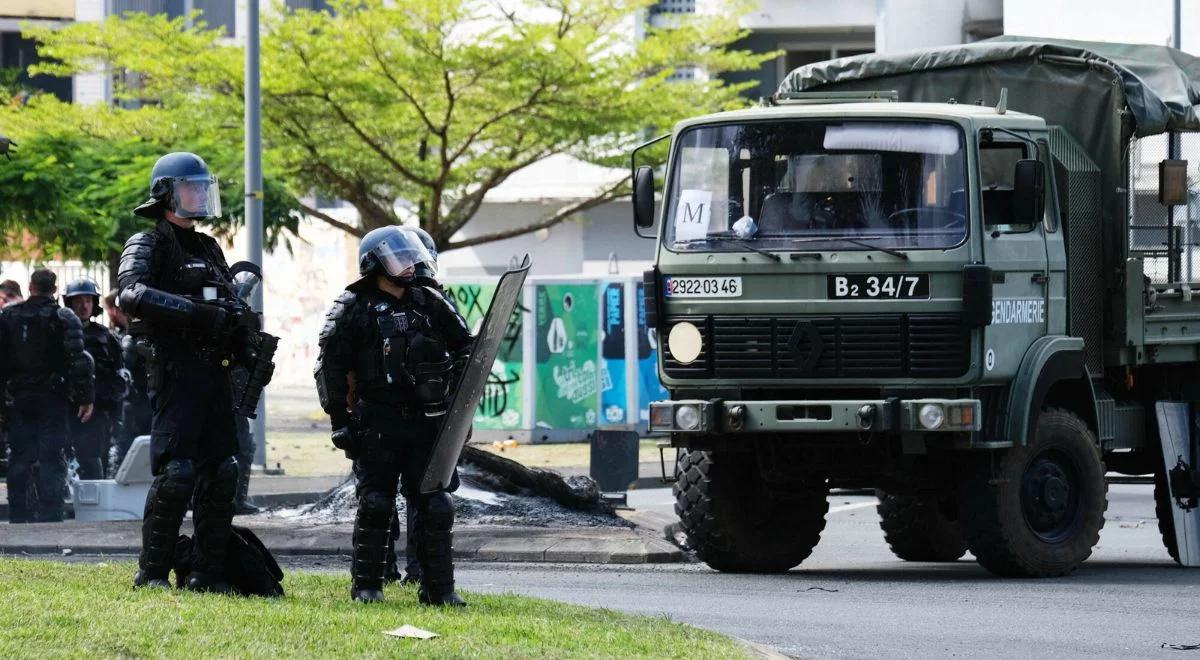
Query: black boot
x=166 y=504
x=371 y=532
x=22 y=493
x=215 y=490
x=435 y=548
x=242 y=505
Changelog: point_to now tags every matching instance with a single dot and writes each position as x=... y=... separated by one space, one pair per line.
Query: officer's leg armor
x=392 y=571
x=412 y=564
x=52 y=462
x=245 y=457
x=215 y=490
x=166 y=504
x=22 y=493
x=436 y=551
x=371 y=530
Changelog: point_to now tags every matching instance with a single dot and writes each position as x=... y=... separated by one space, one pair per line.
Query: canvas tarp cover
x=1160 y=85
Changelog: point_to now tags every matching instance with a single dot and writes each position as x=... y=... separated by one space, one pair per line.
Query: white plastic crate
x=122 y=498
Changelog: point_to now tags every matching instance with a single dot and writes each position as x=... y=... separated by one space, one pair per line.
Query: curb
x=616 y=545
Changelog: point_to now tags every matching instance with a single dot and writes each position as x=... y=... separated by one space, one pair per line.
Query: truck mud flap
x=1177 y=429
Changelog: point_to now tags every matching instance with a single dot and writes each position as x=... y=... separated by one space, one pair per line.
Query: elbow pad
x=150 y=304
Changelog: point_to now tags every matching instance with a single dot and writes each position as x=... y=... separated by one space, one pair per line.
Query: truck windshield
x=818 y=185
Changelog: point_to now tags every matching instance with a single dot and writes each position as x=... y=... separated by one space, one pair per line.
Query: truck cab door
x=1017 y=256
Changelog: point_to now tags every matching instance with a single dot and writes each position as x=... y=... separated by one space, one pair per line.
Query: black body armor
x=43 y=349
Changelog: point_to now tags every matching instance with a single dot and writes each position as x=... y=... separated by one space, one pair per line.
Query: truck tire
x=916 y=528
x=1037 y=510
x=736 y=523
x=1164 y=510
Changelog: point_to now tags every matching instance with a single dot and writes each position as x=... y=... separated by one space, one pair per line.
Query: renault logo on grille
x=805 y=345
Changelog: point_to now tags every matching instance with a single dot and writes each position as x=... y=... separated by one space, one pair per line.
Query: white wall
x=908 y=24
x=817 y=15
x=1146 y=22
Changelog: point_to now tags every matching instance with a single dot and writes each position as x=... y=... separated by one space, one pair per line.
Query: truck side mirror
x=643 y=198
x=1029 y=192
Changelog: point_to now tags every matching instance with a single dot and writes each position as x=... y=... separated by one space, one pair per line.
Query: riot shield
x=453 y=434
x=1177 y=433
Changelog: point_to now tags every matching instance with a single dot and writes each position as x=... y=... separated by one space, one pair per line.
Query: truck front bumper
x=873 y=415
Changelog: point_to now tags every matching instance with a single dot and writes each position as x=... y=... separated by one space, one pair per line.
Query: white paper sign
x=692 y=214
x=412 y=632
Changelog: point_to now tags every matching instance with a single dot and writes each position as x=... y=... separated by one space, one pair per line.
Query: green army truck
x=960 y=277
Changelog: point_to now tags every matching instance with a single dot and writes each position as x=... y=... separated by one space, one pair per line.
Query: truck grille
x=858 y=346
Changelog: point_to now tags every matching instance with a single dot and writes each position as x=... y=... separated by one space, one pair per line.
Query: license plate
x=702 y=287
x=878 y=286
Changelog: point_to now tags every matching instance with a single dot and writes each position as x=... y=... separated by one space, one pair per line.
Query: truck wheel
x=1036 y=511
x=736 y=523
x=917 y=528
x=1164 y=509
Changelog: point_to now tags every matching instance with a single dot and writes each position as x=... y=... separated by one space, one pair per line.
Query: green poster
x=566 y=385
x=500 y=407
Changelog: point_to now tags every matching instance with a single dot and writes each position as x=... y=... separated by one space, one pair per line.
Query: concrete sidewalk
x=597 y=545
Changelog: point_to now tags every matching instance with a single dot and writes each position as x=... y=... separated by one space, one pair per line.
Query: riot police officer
x=90 y=439
x=134 y=417
x=45 y=370
x=389 y=352
x=177 y=287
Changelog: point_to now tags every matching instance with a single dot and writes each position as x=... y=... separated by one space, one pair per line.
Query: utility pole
x=254 y=195
x=1175 y=152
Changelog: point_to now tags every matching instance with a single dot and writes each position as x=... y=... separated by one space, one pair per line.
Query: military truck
x=948 y=276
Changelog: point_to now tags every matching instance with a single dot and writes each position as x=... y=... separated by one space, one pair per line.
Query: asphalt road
x=852 y=598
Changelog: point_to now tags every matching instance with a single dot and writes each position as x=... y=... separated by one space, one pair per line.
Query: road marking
x=850 y=507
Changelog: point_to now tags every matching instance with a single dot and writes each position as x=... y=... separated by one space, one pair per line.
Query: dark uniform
x=135 y=411
x=46 y=371
x=172 y=282
x=91 y=439
x=383 y=376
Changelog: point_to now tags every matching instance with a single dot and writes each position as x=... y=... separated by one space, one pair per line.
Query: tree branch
x=558 y=216
x=332 y=220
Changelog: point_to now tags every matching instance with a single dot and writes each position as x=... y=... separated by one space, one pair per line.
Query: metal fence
x=1164 y=237
x=65 y=270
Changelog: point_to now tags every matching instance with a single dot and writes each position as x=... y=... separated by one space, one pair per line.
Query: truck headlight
x=684 y=342
x=687 y=418
x=932 y=416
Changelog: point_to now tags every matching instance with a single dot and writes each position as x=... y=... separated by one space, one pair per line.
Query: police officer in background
x=48 y=375
x=176 y=286
x=91 y=438
x=390 y=350
x=134 y=417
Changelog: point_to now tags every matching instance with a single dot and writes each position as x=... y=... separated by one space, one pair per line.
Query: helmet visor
x=400 y=253
x=196 y=196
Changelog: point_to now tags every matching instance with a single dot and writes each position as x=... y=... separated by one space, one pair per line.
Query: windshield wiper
x=861 y=242
x=740 y=242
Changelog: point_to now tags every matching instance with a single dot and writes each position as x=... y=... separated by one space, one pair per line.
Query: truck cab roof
x=978 y=116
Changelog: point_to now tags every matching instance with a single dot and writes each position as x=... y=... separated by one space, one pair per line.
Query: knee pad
x=178 y=479
x=437 y=511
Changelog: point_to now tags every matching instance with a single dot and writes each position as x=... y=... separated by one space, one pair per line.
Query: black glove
x=348 y=439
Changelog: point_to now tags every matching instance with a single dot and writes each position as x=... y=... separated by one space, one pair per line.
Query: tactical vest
x=35 y=349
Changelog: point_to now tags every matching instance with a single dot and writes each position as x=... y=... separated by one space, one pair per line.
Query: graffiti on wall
x=501 y=405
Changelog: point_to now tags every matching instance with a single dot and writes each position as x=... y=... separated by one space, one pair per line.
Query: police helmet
x=181 y=183
x=392 y=252
x=83 y=287
x=426 y=270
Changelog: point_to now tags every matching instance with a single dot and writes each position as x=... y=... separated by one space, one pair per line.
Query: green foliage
x=430 y=103
x=77 y=610
x=78 y=173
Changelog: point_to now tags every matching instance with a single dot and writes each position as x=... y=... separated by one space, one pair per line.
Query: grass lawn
x=54 y=609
